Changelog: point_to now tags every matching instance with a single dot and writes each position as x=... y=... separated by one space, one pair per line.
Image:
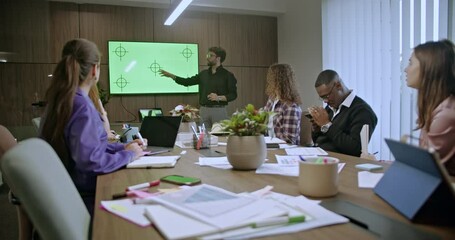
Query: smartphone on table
x=181 y=180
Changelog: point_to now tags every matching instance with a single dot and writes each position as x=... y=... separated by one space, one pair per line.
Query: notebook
x=160 y=131
x=417 y=184
x=154 y=162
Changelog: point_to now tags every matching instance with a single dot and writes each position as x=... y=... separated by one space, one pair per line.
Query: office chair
x=38 y=178
x=305 y=130
x=7 y=141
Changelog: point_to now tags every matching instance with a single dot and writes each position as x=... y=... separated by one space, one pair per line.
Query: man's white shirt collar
x=347 y=103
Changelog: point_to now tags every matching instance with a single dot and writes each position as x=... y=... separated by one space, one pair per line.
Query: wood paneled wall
x=33 y=33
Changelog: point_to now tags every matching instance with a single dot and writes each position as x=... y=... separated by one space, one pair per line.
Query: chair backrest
x=38 y=178
x=305 y=130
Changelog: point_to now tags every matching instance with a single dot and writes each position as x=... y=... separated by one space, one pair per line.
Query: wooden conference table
x=109 y=226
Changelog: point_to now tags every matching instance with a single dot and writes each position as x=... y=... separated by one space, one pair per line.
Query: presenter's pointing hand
x=164 y=73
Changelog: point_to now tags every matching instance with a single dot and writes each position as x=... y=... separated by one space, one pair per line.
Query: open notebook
x=154 y=162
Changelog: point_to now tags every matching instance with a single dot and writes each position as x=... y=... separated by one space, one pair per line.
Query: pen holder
x=201 y=141
x=318 y=176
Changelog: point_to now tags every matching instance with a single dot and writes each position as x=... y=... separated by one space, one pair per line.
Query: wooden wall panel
x=250 y=87
x=100 y=23
x=21 y=85
x=192 y=27
x=63 y=25
x=249 y=40
x=24 y=30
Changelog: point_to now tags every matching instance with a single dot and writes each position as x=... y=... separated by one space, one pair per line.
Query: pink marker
x=143 y=185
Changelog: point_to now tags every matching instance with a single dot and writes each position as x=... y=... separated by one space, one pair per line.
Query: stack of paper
x=213 y=213
x=154 y=162
x=287 y=165
x=306 y=151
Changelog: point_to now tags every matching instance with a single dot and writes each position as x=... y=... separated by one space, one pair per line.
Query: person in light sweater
x=431 y=71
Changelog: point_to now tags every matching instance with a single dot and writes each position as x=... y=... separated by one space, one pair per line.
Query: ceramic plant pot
x=186 y=126
x=246 y=152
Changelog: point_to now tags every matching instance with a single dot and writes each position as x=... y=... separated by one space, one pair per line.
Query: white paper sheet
x=126 y=209
x=285 y=170
x=273 y=140
x=306 y=151
x=368 y=179
x=216 y=162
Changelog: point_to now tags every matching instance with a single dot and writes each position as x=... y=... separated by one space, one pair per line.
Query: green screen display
x=134 y=67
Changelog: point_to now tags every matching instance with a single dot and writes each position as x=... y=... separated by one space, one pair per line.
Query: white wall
x=300 y=44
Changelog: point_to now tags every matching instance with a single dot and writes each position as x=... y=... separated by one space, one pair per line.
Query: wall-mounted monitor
x=134 y=67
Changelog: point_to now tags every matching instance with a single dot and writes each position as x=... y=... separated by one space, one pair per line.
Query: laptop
x=153 y=112
x=417 y=184
x=161 y=132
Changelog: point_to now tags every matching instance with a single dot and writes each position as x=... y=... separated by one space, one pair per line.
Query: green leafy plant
x=247 y=122
x=104 y=96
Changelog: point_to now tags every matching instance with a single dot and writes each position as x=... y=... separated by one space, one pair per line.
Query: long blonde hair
x=78 y=58
x=437 y=78
x=281 y=83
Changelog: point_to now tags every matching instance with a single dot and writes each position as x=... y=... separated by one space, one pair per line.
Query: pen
x=301 y=158
x=194 y=130
x=143 y=185
x=140 y=138
x=278 y=221
x=122 y=195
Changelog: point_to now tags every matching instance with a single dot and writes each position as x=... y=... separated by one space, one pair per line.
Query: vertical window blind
x=369 y=42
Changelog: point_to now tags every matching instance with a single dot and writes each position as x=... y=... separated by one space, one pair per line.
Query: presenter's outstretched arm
x=164 y=73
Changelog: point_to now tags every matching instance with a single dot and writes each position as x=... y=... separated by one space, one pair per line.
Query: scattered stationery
x=291 y=170
x=368 y=166
x=287 y=165
x=126 y=209
x=368 y=179
x=306 y=151
x=208 y=212
x=216 y=162
x=278 y=169
x=154 y=162
x=143 y=185
x=269 y=140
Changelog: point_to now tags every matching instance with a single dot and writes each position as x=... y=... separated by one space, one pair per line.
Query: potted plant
x=190 y=115
x=246 y=148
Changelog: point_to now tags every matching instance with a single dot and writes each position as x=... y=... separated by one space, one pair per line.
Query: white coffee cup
x=318 y=176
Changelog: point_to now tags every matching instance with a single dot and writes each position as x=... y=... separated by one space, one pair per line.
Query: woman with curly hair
x=431 y=71
x=284 y=101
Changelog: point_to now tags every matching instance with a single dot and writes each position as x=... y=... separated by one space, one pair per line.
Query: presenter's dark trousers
x=213 y=114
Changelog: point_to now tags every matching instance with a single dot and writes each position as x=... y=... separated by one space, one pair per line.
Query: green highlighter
x=279 y=221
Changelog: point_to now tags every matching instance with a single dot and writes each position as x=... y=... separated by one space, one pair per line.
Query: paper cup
x=318 y=176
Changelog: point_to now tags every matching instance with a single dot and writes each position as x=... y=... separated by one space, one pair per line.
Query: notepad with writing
x=154 y=162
